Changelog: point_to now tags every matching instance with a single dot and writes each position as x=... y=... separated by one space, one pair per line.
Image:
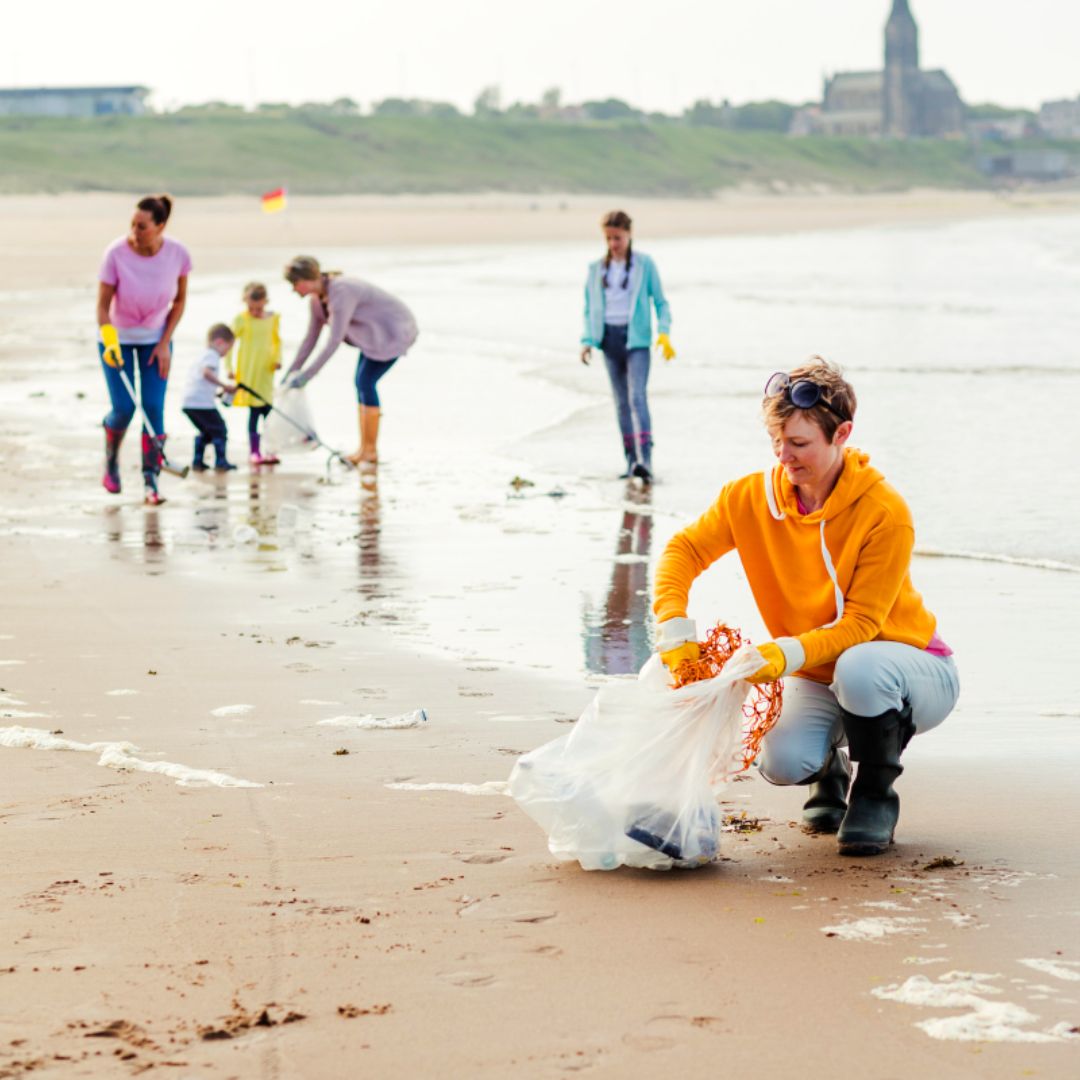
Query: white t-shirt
x=616 y=298
x=200 y=392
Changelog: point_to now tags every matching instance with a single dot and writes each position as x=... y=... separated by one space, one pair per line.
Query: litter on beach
x=635 y=782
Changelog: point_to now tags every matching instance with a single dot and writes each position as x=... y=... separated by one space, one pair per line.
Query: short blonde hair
x=835 y=389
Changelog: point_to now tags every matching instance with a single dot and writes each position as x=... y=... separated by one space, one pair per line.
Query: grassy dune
x=319 y=153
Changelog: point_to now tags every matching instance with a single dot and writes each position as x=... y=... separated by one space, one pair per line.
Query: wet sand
x=326 y=923
x=51 y=241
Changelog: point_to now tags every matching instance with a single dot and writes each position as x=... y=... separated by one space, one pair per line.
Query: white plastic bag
x=635 y=782
x=279 y=434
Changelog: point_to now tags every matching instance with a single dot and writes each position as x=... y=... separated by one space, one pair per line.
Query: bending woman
x=826 y=546
x=621 y=290
x=142 y=290
x=378 y=324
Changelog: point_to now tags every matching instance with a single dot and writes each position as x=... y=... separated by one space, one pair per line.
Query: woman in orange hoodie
x=826 y=545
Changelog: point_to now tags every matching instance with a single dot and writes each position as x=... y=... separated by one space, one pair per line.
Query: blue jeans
x=869 y=679
x=628 y=370
x=150 y=387
x=368 y=373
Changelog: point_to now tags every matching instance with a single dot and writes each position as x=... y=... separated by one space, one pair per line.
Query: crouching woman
x=826 y=546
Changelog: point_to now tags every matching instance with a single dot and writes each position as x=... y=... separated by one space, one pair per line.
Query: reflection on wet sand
x=617 y=638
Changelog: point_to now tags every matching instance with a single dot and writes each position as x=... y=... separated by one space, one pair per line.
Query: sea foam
x=120 y=756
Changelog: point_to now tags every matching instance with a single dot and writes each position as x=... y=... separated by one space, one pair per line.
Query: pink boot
x=110 y=481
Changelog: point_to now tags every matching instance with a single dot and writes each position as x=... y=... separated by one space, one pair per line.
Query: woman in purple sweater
x=379 y=324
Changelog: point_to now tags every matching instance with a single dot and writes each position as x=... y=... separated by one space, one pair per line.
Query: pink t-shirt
x=145 y=284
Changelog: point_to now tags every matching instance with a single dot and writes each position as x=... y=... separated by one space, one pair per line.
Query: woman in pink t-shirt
x=141 y=291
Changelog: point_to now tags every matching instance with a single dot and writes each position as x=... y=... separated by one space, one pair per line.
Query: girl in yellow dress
x=258 y=356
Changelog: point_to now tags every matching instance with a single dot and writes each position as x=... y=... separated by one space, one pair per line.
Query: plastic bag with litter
x=279 y=434
x=635 y=782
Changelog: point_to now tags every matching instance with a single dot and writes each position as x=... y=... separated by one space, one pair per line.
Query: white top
x=200 y=392
x=616 y=298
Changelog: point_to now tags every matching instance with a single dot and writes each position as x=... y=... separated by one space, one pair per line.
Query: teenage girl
x=621 y=291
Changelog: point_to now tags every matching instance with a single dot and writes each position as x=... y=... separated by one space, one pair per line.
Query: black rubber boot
x=824 y=810
x=875 y=743
x=198 y=461
x=643 y=469
x=221 y=462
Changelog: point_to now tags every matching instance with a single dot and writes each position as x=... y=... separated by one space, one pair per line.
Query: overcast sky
x=656 y=54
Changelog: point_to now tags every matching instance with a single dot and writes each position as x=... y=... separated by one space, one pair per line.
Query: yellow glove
x=663 y=343
x=775 y=664
x=111 y=340
x=688 y=651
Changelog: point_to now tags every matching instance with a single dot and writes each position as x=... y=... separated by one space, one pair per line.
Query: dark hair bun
x=159 y=207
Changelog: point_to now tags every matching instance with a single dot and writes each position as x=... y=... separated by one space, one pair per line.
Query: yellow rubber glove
x=688 y=651
x=775 y=664
x=663 y=343
x=111 y=340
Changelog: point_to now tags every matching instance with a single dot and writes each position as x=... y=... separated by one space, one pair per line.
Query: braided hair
x=618 y=219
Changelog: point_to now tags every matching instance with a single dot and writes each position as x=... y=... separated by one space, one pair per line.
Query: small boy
x=200 y=406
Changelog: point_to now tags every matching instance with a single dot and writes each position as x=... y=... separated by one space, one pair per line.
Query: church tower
x=901 y=72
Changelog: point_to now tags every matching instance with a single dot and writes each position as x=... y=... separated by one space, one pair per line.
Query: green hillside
x=320 y=153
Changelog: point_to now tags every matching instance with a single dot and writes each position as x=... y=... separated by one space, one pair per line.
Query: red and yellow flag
x=273 y=201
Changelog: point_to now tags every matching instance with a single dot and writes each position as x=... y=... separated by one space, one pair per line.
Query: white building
x=68 y=101
x=1061 y=119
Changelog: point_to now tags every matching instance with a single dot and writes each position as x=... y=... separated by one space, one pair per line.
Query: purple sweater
x=379 y=324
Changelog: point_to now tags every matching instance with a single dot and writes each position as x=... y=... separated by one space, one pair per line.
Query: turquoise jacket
x=644 y=286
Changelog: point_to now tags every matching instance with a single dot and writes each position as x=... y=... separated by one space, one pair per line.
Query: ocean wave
x=1008 y=560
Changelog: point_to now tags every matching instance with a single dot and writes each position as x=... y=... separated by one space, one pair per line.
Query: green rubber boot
x=824 y=810
x=875 y=743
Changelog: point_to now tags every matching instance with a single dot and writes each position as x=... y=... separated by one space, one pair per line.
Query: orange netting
x=762 y=710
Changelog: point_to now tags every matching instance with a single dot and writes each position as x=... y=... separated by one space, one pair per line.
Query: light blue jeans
x=869 y=679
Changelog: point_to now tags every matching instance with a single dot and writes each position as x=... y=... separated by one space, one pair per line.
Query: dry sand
x=326 y=925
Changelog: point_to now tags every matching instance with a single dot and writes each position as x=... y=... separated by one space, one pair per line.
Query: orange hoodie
x=833 y=578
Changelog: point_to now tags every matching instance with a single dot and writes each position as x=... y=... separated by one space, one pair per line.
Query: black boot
x=643 y=469
x=198 y=462
x=631 y=458
x=824 y=810
x=221 y=462
x=875 y=743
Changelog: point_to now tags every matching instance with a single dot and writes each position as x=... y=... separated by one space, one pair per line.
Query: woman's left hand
x=775 y=664
x=663 y=343
x=162 y=356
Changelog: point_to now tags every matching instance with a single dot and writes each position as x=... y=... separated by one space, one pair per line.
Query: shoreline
x=57 y=240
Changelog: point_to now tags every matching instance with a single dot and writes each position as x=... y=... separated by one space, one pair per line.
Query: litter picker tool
x=114 y=358
x=308 y=434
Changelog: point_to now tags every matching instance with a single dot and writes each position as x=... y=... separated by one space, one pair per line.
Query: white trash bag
x=635 y=782
x=279 y=434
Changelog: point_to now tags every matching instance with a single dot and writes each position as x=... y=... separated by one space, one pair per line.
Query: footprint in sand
x=467 y=978
x=481 y=857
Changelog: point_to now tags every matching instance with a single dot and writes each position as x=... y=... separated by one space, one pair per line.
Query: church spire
x=901 y=37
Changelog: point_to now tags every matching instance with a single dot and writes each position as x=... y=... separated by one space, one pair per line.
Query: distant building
x=1002 y=128
x=68 y=101
x=1061 y=119
x=1028 y=165
x=900 y=102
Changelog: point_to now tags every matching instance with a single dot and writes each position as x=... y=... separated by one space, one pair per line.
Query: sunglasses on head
x=802 y=393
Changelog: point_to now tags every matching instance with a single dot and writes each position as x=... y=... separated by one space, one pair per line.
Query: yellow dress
x=258 y=353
